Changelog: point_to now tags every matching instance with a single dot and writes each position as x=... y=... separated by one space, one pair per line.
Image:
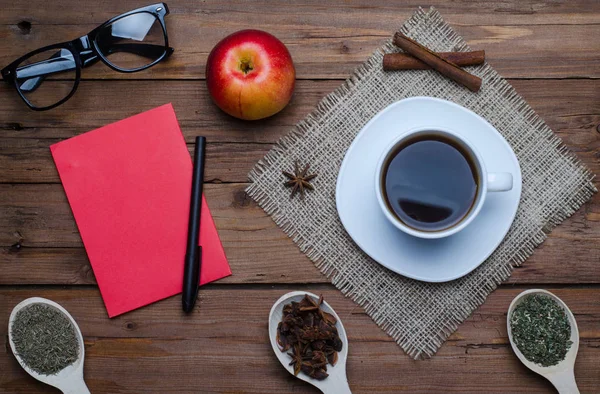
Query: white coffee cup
x=486 y=181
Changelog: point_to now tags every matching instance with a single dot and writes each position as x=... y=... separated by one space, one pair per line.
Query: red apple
x=250 y=74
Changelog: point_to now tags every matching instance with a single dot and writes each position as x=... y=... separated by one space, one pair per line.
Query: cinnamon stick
x=441 y=65
x=404 y=61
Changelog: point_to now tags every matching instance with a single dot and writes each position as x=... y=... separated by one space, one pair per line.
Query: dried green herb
x=541 y=330
x=44 y=339
x=311 y=334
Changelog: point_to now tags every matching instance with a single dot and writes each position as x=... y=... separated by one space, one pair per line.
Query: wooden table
x=550 y=52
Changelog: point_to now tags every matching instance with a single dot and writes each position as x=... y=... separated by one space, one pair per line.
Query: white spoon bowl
x=561 y=375
x=336 y=382
x=70 y=379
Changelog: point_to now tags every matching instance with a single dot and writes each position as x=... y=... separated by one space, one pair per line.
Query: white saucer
x=430 y=260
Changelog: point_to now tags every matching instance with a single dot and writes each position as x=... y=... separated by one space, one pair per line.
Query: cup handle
x=499 y=181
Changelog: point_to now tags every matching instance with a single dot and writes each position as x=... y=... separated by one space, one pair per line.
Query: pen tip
x=188 y=307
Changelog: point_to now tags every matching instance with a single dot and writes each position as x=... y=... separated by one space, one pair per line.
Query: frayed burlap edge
x=328 y=104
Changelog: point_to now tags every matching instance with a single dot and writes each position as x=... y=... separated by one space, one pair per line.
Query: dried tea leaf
x=541 y=330
x=44 y=338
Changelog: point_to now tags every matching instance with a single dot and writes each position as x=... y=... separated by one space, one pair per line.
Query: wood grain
x=338 y=13
x=221 y=349
x=548 y=49
x=569 y=107
x=28 y=160
x=38 y=216
x=195 y=111
x=329 y=41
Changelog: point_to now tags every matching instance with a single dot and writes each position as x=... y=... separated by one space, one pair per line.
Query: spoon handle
x=564 y=381
x=76 y=386
x=337 y=385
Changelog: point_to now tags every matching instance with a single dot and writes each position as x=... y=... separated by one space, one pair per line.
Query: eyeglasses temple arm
x=35 y=73
x=51 y=66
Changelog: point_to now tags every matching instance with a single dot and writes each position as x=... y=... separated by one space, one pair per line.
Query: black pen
x=193 y=254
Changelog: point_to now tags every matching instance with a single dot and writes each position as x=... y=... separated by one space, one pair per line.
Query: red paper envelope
x=129 y=186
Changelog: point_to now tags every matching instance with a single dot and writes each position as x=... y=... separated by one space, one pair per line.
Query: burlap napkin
x=418 y=315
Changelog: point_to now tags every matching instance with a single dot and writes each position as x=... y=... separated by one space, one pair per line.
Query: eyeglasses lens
x=133 y=41
x=47 y=77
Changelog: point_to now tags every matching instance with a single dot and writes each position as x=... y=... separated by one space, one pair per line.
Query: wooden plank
x=249 y=236
x=570 y=107
x=224 y=346
x=338 y=13
x=527 y=39
x=572 y=113
x=557 y=260
x=38 y=216
x=28 y=160
x=195 y=111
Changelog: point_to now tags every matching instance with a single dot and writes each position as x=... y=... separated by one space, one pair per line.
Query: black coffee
x=430 y=183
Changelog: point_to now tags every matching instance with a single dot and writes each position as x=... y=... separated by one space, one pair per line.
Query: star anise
x=312 y=336
x=297 y=358
x=332 y=355
x=300 y=180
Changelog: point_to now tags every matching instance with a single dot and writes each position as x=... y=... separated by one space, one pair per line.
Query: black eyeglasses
x=133 y=41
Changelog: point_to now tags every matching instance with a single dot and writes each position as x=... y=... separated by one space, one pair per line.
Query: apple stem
x=246 y=66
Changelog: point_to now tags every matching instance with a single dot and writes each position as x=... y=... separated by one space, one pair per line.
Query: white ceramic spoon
x=561 y=375
x=336 y=382
x=70 y=379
